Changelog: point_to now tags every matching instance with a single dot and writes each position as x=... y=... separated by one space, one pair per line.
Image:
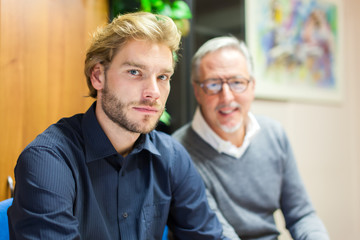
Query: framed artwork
x=295 y=48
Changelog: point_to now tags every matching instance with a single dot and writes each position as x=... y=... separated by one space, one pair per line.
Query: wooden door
x=42 y=52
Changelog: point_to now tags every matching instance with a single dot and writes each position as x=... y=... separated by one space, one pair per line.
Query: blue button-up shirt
x=72 y=184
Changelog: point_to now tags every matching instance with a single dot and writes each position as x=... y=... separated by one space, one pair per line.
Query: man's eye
x=213 y=85
x=134 y=72
x=163 y=77
x=238 y=83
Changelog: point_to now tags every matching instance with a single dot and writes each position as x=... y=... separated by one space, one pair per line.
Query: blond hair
x=107 y=41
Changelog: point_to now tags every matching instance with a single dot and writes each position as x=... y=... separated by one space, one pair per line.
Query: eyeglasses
x=213 y=86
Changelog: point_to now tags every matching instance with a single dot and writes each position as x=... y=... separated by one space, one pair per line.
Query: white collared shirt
x=208 y=135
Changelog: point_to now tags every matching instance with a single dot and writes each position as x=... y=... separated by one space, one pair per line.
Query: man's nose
x=151 y=88
x=226 y=93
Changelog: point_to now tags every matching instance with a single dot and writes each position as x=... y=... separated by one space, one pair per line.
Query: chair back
x=4 y=226
x=165 y=234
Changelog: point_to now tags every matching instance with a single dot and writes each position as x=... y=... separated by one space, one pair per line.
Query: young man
x=246 y=162
x=106 y=174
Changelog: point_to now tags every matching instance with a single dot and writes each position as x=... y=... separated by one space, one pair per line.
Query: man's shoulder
x=66 y=130
x=58 y=147
x=265 y=121
x=268 y=124
x=182 y=132
x=271 y=131
x=192 y=142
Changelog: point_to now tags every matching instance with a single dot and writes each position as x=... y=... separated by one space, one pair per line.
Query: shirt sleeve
x=190 y=215
x=43 y=199
x=300 y=216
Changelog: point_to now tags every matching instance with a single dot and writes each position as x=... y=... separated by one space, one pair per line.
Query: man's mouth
x=147 y=109
x=228 y=109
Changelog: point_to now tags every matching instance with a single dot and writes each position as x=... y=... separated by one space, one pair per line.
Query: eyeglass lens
x=213 y=86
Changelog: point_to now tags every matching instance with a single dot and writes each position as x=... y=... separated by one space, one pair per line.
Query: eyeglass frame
x=223 y=80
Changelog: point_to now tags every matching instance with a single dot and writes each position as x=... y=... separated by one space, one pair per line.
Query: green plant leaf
x=146 y=5
x=180 y=10
x=165 y=118
x=157 y=5
x=166 y=10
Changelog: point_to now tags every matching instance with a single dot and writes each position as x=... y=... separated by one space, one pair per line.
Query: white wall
x=326 y=137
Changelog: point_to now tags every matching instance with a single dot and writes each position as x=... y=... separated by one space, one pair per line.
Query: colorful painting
x=295 y=48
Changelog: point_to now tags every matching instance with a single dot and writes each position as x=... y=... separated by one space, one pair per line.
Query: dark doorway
x=211 y=18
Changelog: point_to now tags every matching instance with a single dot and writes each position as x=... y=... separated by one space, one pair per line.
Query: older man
x=245 y=161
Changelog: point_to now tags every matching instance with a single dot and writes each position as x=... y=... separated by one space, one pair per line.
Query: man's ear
x=254 y=82
x=98 y=76
x=253 y=85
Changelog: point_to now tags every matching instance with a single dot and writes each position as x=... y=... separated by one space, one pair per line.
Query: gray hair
x=218 y=43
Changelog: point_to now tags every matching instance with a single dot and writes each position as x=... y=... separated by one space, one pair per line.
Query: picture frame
x=296 y=49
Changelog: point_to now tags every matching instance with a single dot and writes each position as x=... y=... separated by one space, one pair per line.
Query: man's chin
x=231 y=128
x=146 y=126
x=147 y=129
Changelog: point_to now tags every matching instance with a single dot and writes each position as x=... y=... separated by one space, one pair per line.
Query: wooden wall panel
x=42 y=52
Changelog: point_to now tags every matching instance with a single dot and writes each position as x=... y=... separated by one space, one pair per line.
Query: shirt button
x=125 y=215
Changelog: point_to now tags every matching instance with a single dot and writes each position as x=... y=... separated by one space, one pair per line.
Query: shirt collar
x=145 y=141
x=98 y=145
x=208 y=135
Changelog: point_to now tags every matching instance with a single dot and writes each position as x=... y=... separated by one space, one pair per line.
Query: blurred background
x=42 y=52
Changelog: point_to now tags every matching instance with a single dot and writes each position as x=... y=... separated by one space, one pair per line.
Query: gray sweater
x=250 y=189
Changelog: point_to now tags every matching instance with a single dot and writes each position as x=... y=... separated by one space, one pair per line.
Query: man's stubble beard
x=115 y=110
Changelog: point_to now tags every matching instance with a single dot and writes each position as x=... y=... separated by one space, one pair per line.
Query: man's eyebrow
x=133 y=64
x=141 y=66
x=169 y=70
